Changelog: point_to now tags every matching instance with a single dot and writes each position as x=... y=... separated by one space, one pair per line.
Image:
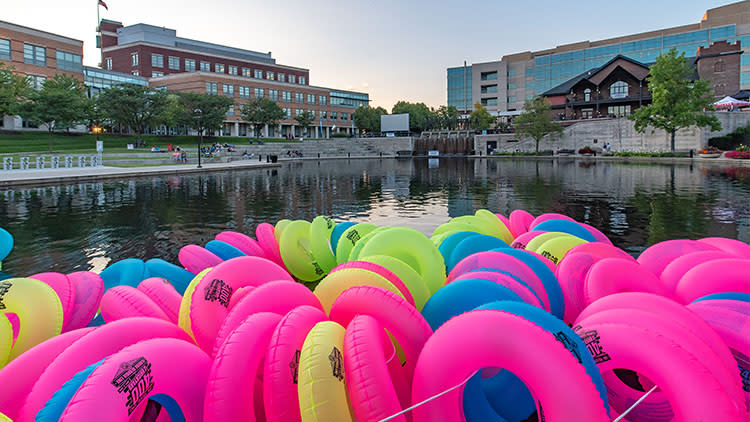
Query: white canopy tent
x=730 y=103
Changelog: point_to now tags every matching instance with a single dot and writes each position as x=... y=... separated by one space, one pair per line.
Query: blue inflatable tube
x=224 y=250
x=178 y=276
x=566 y=226
x=128 y=272
x=471 y=245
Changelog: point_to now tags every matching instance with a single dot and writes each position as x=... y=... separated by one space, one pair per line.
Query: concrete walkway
x=11 y=178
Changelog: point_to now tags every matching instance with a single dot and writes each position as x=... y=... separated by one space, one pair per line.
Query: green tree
x=60 y=103
x=262 y=111
x=536 y=120
x=213 y=111
x=480 y=118
x=305 y=120
x=13 y=90
x=677 y=101
x=421 y=117
x=368 y=118
x=448 y=117
x=133 y=106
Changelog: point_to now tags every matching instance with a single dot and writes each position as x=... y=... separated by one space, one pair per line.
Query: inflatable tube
x=472 y=245
x=338 y=230
x=243 y=242
x=6 y=340
x=297 y=254
x=280 y=370
x=164 y=295
x=336 y=283
x=523 y=240
x=196 y=259
x=183 y=320
x=6 y=245
x=520 y=220
x=406 y=274
x=403 y=321
x=145 y=370
x=742 y=297
x=598 y=235
x=179 y=277
x=676 y=269
x=223 y=250
x=237 y=364
x=127 y=272
x=89 y=289
x=639 y=349
x=730 y=246
x=500 y=223
x=569 y=395
x=381 y=271
x=94 y=346
x=207 y=304
x=63 y=287
x=349 y=238
x=549 y=216
x=566 y=226
x=320 y=236
x=278 y=229
x=506 y=221
x=571 y=274
x=19 y=376
x=126 y=302
x=278 y=297
x=355 y=252
x=518 y=287
x=450 y=241
x=55 y=407
x=265 y=233
x=716 y=276
x=656 y=257
x=38 y=308
x=238 y=295
x=550 y=265
x=322 y=389
x=614 y=275
x=601 y=250
x=556 y=249
x=368 y=381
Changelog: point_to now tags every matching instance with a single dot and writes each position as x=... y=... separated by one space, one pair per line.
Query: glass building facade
x=96 y=79
x=459 y=87
x=349 y=99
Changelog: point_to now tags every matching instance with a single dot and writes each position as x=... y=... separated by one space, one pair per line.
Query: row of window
x=323 y=115
x=173 y=63
x=286 y=96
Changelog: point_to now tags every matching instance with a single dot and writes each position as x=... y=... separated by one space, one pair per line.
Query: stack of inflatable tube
x=492 y=318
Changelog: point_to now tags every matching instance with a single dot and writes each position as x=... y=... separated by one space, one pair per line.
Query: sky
x=392 y=49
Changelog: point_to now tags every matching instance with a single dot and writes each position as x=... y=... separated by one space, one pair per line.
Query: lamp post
x=198 y=113
x=99 y=144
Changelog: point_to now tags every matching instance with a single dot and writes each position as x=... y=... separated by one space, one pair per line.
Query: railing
x=24 y=163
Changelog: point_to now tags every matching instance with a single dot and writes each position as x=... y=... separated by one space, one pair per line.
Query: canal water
x=86 y=226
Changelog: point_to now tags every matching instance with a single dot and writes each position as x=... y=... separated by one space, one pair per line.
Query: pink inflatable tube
x=402 y=320
x=124 y=302
x=505 y=280
x=210 y=300
x=368 y=383
x=598 y=235
x=614 y=275
x=503 y=262
x=381 y=271
x=280 y=398
x=549 y=216
x=231 y=382
x=522 y=240
x=676 y=269
x=520 y=220
x=267 y=241
x=164 y=295
x=243 y=242
x=720 y=275
x=656 y=257
x=126 y=379
x=693 y=392
x=506 y=222
x=18 y=376
x=278 y=297
x=64 y=288
x=89 y=289
x=731 y=246
x=93 y=347
x=196 y=259
x=601 y=250
x=568 y=395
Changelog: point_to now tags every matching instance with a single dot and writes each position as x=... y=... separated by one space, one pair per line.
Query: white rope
x=625 y=413
x=429 y=399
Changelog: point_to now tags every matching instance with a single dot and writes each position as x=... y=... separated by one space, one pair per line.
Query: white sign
x=394 y=122
x=433 y=153
x=99 y=146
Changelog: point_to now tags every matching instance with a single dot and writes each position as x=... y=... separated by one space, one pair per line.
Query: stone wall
x=620 y=133
x=335 y=147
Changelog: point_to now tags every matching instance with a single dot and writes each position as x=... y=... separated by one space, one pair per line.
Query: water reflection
x=86 y=226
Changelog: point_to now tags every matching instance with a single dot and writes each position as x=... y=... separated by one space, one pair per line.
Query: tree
x=60 y=103
x=133 y=106
x=368 y=118
x=420 y=116
x=213 y=111
x=536 y=120
x=448 y=117
x=305 y=119
x=13 y=90
x=480 y=118
x=677 y=101
x=262 y=111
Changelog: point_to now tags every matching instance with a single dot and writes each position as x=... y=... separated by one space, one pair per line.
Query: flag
x=102 y=3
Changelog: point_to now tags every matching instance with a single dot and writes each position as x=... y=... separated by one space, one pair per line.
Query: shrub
x=586 y=150
x=740 y=155
x=730 y=141
x=340 y=135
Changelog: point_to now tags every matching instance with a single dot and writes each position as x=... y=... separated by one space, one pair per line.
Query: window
x=258 y=74
x=247 y=73
x=173 y=62
x=310 y=98
x=189 y=65
x=587 y=113
x=511 y=86
x=511 y=73
x=212 y=88
x=587 y=94
x=219 y=68
x=489 y=101
x=719 y=66
x=488 y=76
x=108 y=63
x=36 y=81
x=205 y=67
x=258 y=92
x=322 y=99
x=618 y=89
x=134 y=59
x=69 y=61
x=323 y=115
x=157 y=60
x=273 y=94
x=270 y=76
x=489 y=89
x=292 y=79
x=4 y=49
x=228 y=90
x=281 y=77
x=512 y=99
x=299 y=98
x=233 y=70
x=33 y=54
x=155 y=74
x=302 y=80
x=230 y=110
x=162 y=88
x=334 y=115
x=618 y=111
x=344 y=116
x=286 y=96
x=244 y=92
x=298 y=112
x=287 y=113
x=135 y=73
